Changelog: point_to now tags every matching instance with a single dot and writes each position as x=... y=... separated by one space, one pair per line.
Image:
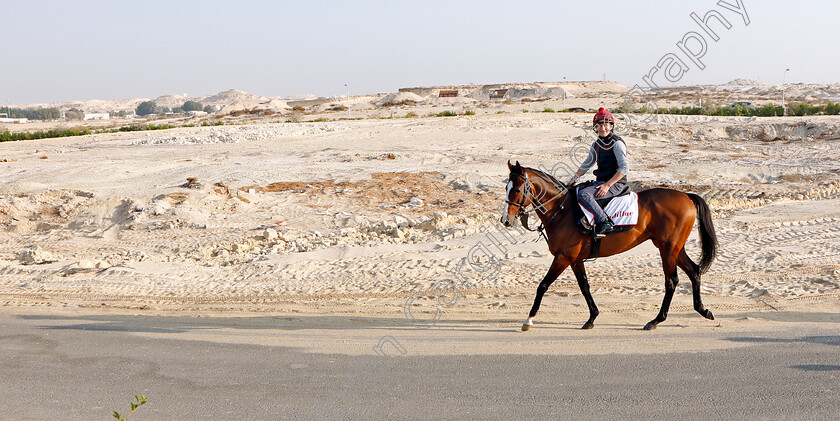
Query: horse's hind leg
x=669 y=267
x=693 y=271
x=553 y=272
x=583 y=283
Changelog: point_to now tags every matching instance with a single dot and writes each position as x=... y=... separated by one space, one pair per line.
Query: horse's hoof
x=588 y=325
x=650 y=326
x=709 y=315
x=528 y=323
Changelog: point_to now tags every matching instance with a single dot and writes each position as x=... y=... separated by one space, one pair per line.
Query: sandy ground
x=355 y=218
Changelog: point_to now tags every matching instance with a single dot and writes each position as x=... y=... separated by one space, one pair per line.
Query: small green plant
x=548 y=110
x=215 y=123
x=832 y=108
x=144 y=127
x=469 y=112
x=295 y=115
x=769 y=110
x=446 y=113
x=136 y=403
x=411 y=114
x=800 y=109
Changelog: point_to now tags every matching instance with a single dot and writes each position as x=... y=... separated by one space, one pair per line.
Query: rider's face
x=603 y=128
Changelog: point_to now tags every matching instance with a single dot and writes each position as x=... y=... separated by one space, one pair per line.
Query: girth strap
x=594 y=248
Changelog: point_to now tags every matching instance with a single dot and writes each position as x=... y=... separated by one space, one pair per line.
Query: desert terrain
x=356 y=206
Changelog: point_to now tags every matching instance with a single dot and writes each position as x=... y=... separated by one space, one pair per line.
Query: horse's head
x=517 y=194
x=529 y=187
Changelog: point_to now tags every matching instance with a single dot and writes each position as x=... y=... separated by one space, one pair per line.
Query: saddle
x=605 y=201
x=583 y=223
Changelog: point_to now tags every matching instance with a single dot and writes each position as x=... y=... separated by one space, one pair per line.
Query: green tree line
x=32 y=114
x=767 y=110
x=150 y=107
x=6 y=136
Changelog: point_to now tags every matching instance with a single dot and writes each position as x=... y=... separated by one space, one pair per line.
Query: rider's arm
x=614 y=179
x=578 y=174
x=588 y=163
x=621 y=159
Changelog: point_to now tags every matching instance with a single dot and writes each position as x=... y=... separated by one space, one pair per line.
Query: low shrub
x=7 y=136
x=143 y=127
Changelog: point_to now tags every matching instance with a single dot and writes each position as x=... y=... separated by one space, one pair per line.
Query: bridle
x=529 y=191
x=522 y=213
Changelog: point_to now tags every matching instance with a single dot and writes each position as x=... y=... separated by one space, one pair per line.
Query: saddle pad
x=623 y=210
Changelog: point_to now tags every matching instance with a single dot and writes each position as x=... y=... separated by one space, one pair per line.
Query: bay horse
x=666 y=217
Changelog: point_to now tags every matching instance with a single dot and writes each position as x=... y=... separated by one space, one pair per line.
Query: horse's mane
x=551 y=178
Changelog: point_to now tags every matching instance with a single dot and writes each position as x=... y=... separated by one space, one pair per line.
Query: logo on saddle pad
x=622 y=210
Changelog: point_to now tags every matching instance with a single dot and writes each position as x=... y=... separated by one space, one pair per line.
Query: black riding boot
x=604 y=228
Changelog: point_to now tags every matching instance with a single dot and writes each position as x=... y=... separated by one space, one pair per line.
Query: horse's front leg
x=583 y=283
x=554 y=271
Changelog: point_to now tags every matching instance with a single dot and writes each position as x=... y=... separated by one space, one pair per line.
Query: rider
x=610 y=153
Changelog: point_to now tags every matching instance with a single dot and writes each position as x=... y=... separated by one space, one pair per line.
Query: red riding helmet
x=603 y=115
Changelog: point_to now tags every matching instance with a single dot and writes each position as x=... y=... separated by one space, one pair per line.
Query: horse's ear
x=510 y=167
x=517 y=165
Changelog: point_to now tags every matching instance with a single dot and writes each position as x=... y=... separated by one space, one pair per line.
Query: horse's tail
x=708 y=239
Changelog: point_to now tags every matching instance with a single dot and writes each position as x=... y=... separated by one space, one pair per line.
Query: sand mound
x=785 y=131
x=171 y=101
x=744 y=85
x=793 y=91
x=234 y=100
x=274 y=104
x=400 y=98
x=233 y=96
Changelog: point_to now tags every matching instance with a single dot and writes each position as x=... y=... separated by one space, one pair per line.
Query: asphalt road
x=85 y=367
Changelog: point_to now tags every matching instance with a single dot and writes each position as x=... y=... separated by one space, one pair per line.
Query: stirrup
x=603 y=229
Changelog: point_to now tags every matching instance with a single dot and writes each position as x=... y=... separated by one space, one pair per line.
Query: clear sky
x=62 y=50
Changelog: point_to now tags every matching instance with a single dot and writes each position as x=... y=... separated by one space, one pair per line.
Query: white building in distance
x=13 y=120
x=97 y=116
